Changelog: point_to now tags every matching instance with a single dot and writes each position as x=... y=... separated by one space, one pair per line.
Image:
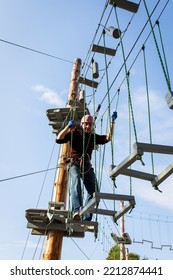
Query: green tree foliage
x=133 y=256
x=114 y=254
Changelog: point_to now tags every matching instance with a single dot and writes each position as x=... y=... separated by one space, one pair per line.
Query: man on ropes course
x=82 y=143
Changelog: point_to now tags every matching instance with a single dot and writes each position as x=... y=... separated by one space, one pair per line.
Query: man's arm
x=111 y=129
x=68 y=129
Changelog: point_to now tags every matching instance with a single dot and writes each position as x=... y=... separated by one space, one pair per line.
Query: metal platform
x=92 y=206
x=125 y=238
x=42 y=220
x=126 y=5
x=139 y=149
x=59 y=117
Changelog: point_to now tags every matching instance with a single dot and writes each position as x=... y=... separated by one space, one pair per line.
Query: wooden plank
x=138 y=174
x=66 y=234
x=46 y=226
x=36 y=215
x=74 y=234
x=89 y=207
x=121 y=212
x=59 y=117
x=87 y=82
x=54 y=217
x=154 y=148
x=103 y=50
x=57 y=205
x=35 y=210
x=59 y=212
x=111 y=196
x=125 y=163
x=163 y=175
x=126 y=5
x=104 y=212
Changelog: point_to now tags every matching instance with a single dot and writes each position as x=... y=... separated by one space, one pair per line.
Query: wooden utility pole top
x=55 y=238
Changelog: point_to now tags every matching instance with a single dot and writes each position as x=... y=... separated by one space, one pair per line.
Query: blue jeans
x=91 y=186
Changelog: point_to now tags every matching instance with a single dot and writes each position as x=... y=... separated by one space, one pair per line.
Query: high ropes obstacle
x=57 y=219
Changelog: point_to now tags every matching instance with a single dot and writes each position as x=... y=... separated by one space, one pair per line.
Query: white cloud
x=50 y=96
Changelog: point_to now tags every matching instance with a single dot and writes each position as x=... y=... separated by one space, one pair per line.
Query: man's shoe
x=76 y=216
x=88 y=228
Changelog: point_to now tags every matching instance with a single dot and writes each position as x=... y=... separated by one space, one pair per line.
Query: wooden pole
x=54 y=241
x=122 y=229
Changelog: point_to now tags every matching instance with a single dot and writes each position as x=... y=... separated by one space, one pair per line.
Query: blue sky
x=31 y=83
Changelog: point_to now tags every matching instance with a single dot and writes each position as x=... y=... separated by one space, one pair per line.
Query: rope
x=101 y=160
x=109 y=102
x=157 y=47
x=163 y=50
x=95 y=146
x=127 y=77
x=131 y=114
x=130 y=140
x=148 y=104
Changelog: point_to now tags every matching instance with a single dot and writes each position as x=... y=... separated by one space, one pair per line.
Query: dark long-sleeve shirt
x=78 y=138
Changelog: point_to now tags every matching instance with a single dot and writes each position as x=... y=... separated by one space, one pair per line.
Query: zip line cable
x=28 y=174
x=40 y=171
x=38 y=200
x=36 y=51
x=80 y=249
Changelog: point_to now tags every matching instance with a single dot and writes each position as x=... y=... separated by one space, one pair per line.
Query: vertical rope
x=109 y=101
x=94 y=127
x=100 y=155
x=163 y=50
x=109 y=110
x=157 y=47
x=148 y=104
x=83 y=152
x=130 y=137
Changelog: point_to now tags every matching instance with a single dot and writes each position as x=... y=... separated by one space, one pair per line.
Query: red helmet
x=87 y=118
